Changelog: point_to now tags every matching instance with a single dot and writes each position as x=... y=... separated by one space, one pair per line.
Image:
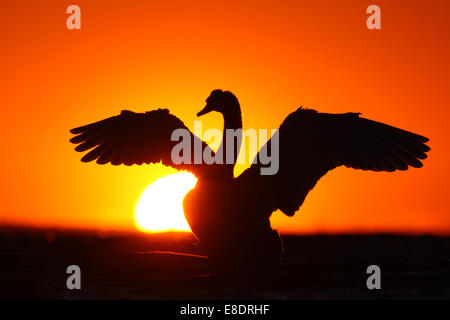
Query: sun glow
x=160 y=206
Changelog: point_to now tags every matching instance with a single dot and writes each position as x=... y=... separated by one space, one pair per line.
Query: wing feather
x=135 y=138
x=313 y=143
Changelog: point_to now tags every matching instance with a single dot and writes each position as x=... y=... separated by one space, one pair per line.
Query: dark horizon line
x=107 y=232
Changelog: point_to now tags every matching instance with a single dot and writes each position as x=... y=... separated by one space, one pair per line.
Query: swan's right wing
x=137 y=138
x=312 y=143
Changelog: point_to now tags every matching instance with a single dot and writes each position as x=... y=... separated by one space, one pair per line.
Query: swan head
x=220 y=101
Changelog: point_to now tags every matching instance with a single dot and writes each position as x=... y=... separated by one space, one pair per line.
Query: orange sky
x=274 y=55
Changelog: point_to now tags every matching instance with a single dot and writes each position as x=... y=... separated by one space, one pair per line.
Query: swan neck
x=231 y=139
x=232 y=121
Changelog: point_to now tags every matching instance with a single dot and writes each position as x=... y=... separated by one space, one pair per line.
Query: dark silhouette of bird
x=230 y=215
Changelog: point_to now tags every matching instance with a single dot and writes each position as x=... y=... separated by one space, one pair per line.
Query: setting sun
x=160 y=205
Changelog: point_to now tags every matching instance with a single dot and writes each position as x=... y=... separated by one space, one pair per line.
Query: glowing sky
x=274 y=55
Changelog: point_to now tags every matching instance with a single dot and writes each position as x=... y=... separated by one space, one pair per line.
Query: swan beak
x=207 y=109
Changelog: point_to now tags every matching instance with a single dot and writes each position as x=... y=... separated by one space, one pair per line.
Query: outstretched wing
x=137 y=138
x=312 y=143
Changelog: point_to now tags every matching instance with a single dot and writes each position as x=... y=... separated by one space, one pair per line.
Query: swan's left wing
x=137 y=138
x=312 y=143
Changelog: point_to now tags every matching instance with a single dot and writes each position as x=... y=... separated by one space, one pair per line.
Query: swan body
x=233 y=231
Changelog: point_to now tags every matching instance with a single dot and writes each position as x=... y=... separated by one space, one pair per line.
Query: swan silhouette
x=230 y=216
